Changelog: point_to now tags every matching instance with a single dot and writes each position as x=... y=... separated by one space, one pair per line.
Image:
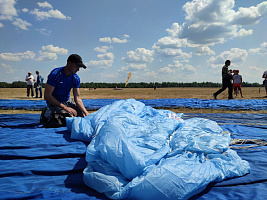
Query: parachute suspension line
x=244 y=143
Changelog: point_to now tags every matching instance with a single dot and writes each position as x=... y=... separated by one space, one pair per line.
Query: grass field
x=146 y=93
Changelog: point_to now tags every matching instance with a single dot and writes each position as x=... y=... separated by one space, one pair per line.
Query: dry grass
x=144 y=93
x=136 y=93
x=165 y=93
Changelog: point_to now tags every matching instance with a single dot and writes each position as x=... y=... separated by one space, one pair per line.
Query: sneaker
x=214 y=96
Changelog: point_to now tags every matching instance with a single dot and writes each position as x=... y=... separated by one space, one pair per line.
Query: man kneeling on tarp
x=57 y=94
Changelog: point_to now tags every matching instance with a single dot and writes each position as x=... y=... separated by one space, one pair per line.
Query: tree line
x=22 y=84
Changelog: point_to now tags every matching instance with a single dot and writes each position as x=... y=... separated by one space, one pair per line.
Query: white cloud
x=47 y=56
x=175 y=30
x=105 y=39
x=179 y=68
x=255 y=68
x=246 y=16
x=117 y=40
x=50 y=48
x=171 y=45
x=262 y=50
x=44 y=31
x=114 y=39
x=8 y=68
x=123 y=69
x=106 y=56
x=189 y=69
x=174 y=53
x=106 y=76
x=184 y=68
x=140 y=55
x=25 y=10
x=177 y=64
x=41 y=15
x=262 y=8
x=235 y=55
x=106 y=60
x=9 y=12
x=144 y=76
x=134 y=66
x=22 y=24
x=44 y=5
x=204 y=50
x=100 y=63
x=7 y=9
x=210 y=22
x=166 y=70
x=170 y=42
x=17 y=56
x=103 y=49
x=1 y=25
x=243 y=32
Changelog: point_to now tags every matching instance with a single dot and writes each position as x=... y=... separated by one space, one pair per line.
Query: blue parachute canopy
x=138 y=152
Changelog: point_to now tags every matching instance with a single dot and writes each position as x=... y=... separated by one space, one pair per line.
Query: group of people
x=231 y=79
x=30 y=84
x=61 y=80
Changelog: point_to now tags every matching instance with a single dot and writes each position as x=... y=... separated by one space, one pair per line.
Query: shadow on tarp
x=94 y=104
x=42 y=163
x=74 y=181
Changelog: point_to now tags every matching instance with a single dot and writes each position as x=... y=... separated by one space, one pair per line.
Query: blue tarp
x=93 y=104
x=42 y=163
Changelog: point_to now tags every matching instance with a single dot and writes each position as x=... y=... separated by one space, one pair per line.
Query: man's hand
x=72 y=111
x=79 y=102
x=85 y=113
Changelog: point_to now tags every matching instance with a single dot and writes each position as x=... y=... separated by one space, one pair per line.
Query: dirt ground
x=145 y=93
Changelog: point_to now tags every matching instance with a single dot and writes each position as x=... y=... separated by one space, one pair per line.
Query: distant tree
x=19 y=84
x=4 y=85
x=22 y=84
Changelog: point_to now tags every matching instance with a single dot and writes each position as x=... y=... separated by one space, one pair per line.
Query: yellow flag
x=128 y=78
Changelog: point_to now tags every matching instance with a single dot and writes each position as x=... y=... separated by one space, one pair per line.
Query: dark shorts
x=70 y=103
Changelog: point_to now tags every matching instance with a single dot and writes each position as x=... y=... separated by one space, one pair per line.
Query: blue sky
x=155 y=40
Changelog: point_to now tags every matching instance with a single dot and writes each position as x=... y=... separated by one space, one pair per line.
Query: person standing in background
x=30 y=83
x=265 y=81
x=226 y=81
x=39 y=84
x=237 y=80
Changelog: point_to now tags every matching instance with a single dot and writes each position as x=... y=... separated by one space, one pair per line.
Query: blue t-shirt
x=62 y=83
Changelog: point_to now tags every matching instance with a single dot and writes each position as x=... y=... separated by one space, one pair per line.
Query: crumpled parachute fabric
x=138 y=152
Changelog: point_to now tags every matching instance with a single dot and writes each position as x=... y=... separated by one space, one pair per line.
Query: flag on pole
x=128 y=78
